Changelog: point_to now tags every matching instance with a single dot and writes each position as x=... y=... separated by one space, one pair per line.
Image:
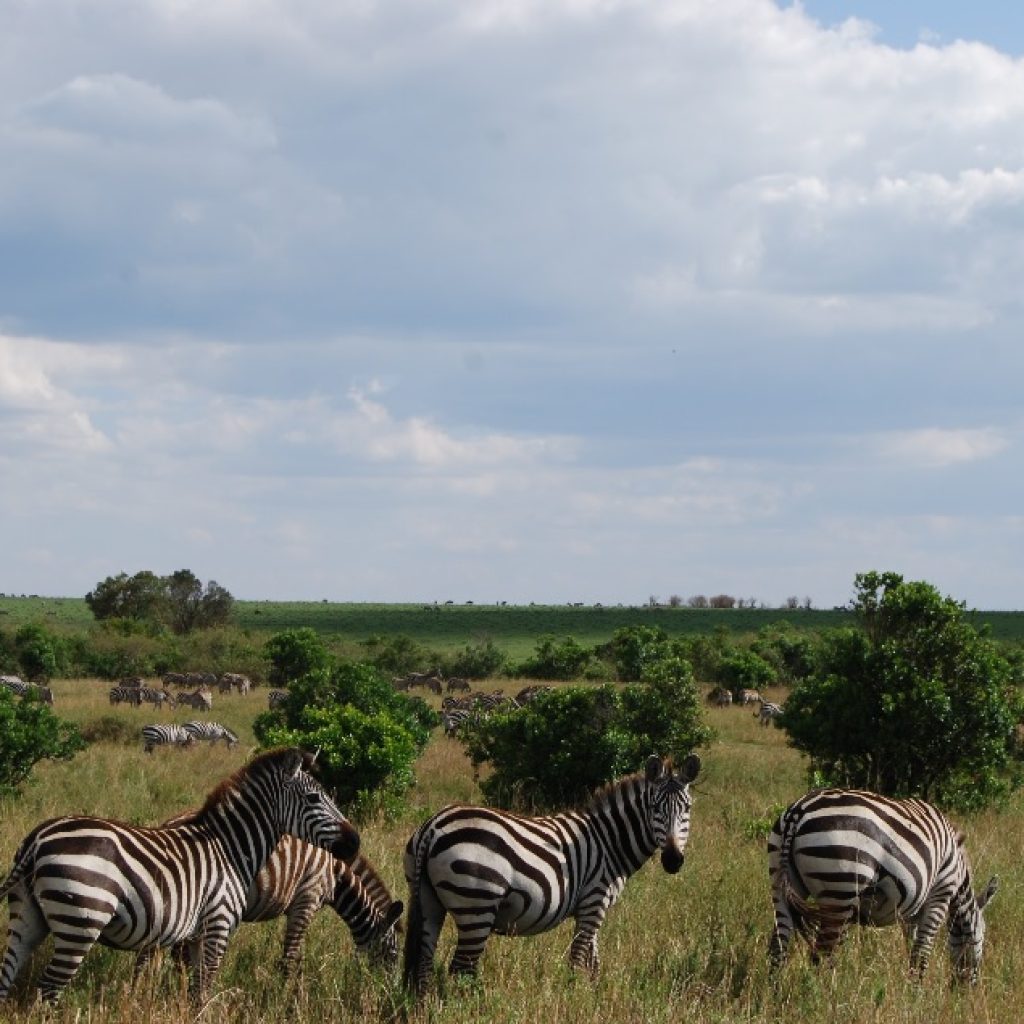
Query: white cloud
x=934 y=446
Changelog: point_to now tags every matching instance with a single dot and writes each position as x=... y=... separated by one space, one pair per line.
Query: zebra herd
x=20 y=688
x=268 y=842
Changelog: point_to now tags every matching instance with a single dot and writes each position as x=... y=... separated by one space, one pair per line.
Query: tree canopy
x=914 y=701
x=179 y=601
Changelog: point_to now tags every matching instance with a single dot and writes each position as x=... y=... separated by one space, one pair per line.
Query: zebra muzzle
x=346 y=846
x=671 y=859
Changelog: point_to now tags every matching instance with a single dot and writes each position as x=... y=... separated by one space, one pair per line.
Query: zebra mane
x=269 y=760
x=374 y=886
x=601 y=794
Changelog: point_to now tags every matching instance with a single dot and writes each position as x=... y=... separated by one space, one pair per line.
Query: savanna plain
x=689 y=947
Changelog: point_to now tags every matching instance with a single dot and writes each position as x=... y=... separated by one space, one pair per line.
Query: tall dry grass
x=686 y=947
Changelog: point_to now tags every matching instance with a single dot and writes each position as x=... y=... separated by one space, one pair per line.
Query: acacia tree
x=179 y=600
x=913 y=701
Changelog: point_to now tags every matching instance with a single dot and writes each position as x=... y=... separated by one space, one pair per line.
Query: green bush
x=552 y=659
x=368 y=735
x=567 y=741
x=632 y=648
x=913 y=702
x=29 y=733
x=479 y=660
x=295 y=653
x=111 y=729
x=41 y=654
x=744 y=670
x=396 y=654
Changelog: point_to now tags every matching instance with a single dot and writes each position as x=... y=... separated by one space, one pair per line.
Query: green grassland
x=689 y=947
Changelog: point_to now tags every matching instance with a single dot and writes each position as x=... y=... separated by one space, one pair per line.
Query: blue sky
x=519 y=300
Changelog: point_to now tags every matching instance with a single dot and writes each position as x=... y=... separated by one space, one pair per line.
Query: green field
x=689 y=947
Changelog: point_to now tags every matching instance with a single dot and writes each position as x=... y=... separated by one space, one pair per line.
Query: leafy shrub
x=744 y=670
x=368 y=735
x=29 y=733
x=478 y=660
x=631 y=648
x=41 y=654
x=567 y=741
x=295 y=653
x=553 y=660
x=395 y=654
x=913 y=702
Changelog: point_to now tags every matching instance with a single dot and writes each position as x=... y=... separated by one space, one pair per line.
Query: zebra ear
x=990 y=891
x=690 y=769
x=655 y=766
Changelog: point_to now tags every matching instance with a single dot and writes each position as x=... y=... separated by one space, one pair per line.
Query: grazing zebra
x=298 y=880
x=452 y=718
x=748 y=697
x=126 y=695
x=158 y=698
x=201 y=700
x=768 y=712
x=842 y=855
x=720 y=697
x=20 y=688
x=457 y=683
x=499 y=872
x=211 y=732
x=165 y=735
x=275 y=698
x=87 y=879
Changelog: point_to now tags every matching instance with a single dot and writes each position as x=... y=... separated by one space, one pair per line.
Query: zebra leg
x=26 y=929
x=475 y=926
x=298 y=917
x=69 y=951
x=924 y=926
x=583 y=953
x=829 y=934
x=426 y=918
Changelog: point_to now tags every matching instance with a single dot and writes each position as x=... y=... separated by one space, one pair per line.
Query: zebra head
x=967 y=933
x=382 y=945
x=309 y=813
x=668 y=807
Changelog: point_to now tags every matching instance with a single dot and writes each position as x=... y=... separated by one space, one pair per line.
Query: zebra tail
x=413 y=958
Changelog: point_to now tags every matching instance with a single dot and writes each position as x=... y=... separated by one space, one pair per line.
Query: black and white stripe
x=199 y=700
x=275 y=698
x=211 y=732
x=499 y=872
x=768 y=712
x=165 y=736
x=85 y=879
x=20 y=688
x=838 y=856
x=126 y=695
x=150 y=695
x=299 y=879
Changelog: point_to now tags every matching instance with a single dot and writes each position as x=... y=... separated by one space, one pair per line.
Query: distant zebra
x=148 y=695
x=768 y=712
x=748 y=697
x=720 y=697
x=499 y=872
x=211 y=732
x=275 y=698
x=165 y=735
x=126 y=695
x=841 y=855
x=457 y=683
x=20 y=688
x=201 y=700
x=88 y=879
x=453 y=718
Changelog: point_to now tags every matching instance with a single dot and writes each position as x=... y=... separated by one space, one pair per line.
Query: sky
x=517 y=300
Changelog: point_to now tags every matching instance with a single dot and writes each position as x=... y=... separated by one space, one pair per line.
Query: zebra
x=457 y=683
x=494 y=871
x=720 y=697
x=148 y=695
x=87 y=879
x=842 y=855
x=275 y=698
x=748 y=697
x=452 y=718
x=20 y=688
x=165 y=735
x=211 y=732
x=768 y=712
x=298 y=880
x=126 y=695
x=201 y=700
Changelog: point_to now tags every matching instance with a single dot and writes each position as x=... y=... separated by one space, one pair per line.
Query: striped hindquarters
x=838 y=856
x=164 y=735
